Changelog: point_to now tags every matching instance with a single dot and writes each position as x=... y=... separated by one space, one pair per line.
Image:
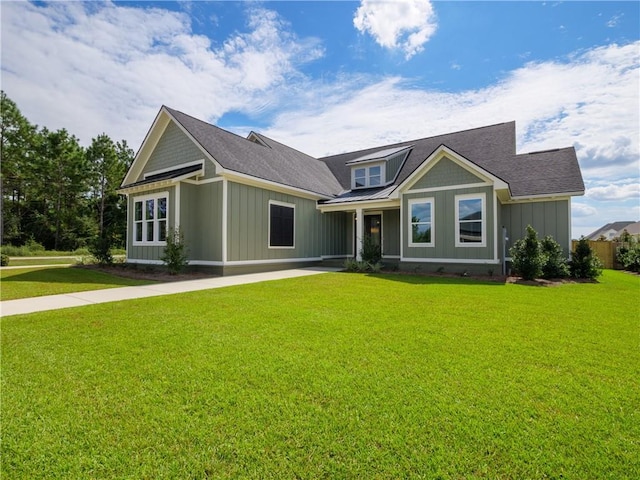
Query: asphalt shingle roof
x=492 y=148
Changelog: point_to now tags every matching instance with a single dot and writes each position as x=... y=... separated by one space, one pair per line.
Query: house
x=610 y=230
x=248 y=204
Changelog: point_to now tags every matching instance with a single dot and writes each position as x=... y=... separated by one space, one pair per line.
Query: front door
x=373 y=228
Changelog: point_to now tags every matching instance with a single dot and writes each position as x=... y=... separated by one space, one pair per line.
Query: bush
x=584 y=262
x=370 y=252
x=100 y=248
x=629 y=255
x=526 y=255
x=353 y=265
x=555 y=263
x=175 y=255
x=4 y=260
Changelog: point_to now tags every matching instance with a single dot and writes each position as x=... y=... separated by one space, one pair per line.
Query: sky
x=329 y=77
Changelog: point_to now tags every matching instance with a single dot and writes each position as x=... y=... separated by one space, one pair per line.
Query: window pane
x=359 y=175
x=162 y=230
x=471 y=232
x=421 y=233
x=149 y=211
x=162 y=207
x=470 y=209
x=139 y=227
x=281 y=226
x=138 y=211
x=421 y=212
x=149 y=231
x=374 y=176
x=373 y=181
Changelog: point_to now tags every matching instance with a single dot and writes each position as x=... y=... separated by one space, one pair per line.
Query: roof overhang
x=381 y=204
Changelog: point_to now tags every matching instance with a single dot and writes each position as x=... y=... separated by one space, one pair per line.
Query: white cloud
x=93 y=67
x=615 y=192
x=403 y=24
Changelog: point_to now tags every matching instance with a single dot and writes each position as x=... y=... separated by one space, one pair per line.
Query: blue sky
x=327 y=77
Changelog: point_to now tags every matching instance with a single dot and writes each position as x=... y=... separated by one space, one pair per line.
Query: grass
x=330 y=376
x=28 y=262
x=35 y=282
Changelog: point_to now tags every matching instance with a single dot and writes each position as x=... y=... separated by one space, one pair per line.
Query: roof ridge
x=406 y=142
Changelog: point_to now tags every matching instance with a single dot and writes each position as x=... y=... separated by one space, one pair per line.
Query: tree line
x=56 y=192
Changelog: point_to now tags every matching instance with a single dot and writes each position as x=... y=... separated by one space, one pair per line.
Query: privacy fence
x=605 y=250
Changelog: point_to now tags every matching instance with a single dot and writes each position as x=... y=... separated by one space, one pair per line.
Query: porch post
x=359 y=232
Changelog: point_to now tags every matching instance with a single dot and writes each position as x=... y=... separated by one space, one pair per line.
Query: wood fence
x=605 y=250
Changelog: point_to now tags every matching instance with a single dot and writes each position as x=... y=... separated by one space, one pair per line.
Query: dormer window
x=369 y=176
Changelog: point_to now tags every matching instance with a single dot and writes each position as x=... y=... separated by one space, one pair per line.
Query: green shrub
x=628 y=255
x=584 y=262
x=100 y=249
x=370 y=252
x=555 y=263
x=175 y=255
x=352 y=265
x=526 y=255
x=4 y=260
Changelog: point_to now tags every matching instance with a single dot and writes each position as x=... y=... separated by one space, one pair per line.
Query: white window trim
x=282 y=204
x=414 y=201
x=469 y=196
x=367 y=175
x=156 y=230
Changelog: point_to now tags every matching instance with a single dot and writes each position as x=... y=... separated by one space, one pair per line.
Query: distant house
x=610 y=230
x=249 y=204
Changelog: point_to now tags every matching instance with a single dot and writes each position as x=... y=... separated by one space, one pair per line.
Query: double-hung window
x=421 y=232
x=281 y=225
x=471 y=229
x=150 y=216
x=364 y=177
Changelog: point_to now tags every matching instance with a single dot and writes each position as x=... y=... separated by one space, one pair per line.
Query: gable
x=173 y=149
x=446 y=173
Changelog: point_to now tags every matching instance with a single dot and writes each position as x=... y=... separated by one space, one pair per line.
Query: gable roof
x=270 y=161
x=491 y=149
x=613 y=226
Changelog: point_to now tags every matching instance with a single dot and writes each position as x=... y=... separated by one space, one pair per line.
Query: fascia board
x=245 y=179
x=352 y=206
x=444 y=151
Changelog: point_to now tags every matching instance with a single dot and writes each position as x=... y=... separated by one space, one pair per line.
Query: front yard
x=330 y=376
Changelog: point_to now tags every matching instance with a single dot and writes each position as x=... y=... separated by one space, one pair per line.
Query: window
x=150 y=216
x=281 y=225
x=421 y=223
x=364 y=177
x=470 y=221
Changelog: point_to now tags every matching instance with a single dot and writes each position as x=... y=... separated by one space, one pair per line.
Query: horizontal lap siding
x=174 y=149
x=316 y=234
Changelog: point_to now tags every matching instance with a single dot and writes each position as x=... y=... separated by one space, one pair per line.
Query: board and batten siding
x=393 y=165
x=391 y=232
x=315 y=234
x=174 y=149
x=446 y=173
x=547 y=218
x=147 y=252
x=201 y=220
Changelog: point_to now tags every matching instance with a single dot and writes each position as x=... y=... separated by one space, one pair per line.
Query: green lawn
x=29 y=261
x=330 y=376
x=36 y=282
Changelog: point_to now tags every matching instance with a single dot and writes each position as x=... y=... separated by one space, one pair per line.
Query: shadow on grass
x=70 y=275
x=437 y=279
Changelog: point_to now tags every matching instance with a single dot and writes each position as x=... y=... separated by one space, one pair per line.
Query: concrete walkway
x=66 y=300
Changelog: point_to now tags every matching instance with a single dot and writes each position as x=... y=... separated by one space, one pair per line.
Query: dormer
x=377 y=169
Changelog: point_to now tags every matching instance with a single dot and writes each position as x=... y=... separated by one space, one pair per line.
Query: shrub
x=352 y=265
x=4 y=260
x=584 y=262
x=100 y=248
x=370 y=252
x=175 y=255
x=527 y=257
x=629 y=255
x=555 y=263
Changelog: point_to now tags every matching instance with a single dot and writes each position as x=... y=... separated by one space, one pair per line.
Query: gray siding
x=173 y=149
x=393 y=165
x=316 y=234
x=446 y=173
x=547 y=218
x=201 y=220
x=391 y=232
x=445 y=228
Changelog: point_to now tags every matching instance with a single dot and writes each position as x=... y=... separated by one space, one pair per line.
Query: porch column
x=359 y=232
